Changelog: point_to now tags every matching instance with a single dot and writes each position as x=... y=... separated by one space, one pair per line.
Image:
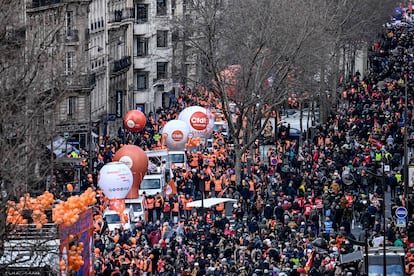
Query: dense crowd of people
x=294 y=216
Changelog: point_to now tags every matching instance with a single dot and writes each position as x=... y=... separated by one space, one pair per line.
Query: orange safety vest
x=186 y=201
x=194 y=162
x=211 y=163
x=175 y=208
x=207 y=185
x=158 y=202
x=220 y=207
x=150 y=203
x=217 y=185
x=141 y=264
x=251 y=186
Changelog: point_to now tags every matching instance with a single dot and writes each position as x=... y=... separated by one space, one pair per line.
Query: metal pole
x=405 y=142
x=366 y=251
x=384 y=253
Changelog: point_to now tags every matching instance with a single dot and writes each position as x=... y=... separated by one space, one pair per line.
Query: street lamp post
x=405 y=140
x=384 y=221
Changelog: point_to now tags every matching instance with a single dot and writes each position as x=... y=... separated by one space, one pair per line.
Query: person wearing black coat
x=268 y=211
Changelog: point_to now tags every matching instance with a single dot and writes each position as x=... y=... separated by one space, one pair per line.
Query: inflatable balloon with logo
x=175 y=134
x=115 y=179
x=137 y=161
x=135 y=120
x=199 y=119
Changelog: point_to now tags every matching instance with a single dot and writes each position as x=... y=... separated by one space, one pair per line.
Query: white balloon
x=199 y=120
x=176 y=132
x=115 y=179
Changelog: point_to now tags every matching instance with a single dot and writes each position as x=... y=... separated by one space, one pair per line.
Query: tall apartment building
x=138 y=52
x=116 y=55
x=62 y=27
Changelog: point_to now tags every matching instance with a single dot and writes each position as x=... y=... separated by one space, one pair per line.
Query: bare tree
x=260 y=41
x=30 y=87
x=345 y=27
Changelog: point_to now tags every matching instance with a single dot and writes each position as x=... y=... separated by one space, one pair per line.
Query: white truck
x=113 y=219
x=152 y=184
x=178 y=159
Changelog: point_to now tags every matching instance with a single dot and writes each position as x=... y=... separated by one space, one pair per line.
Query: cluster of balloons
x=75 y=260
x=67 y=212
x=194 y=123
x=34 y=206
x=136 y=160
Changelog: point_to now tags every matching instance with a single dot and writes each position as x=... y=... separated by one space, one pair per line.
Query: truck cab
x=113 y=219
x=178 y=159
x=153 y=184
x=137 y=207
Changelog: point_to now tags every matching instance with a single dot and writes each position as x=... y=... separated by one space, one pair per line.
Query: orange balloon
x=69 y=187
x=135 y=120
x=135 y=159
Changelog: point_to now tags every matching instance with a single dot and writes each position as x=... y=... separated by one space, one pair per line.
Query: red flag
x=309 y=262
x=377 y=144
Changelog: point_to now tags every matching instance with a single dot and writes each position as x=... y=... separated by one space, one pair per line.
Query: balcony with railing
x=35 y=4
x=69 y=36
x=118 y=16
x=80 y=81
x=120 y=65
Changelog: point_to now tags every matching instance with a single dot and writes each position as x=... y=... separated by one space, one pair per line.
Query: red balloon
x=136 y=159
x=135 y=120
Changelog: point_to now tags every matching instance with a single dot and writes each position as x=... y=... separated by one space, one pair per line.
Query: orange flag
x=170 y=188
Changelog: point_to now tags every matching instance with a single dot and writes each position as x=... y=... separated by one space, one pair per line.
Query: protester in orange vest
x=219 y=209
x=175 y=210
x=159 y=204
x=150 y=205
x=218 y=182
x=187 y=208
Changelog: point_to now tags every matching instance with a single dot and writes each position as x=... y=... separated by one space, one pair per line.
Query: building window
x=71 y=106
x=142 y=46
x=162 y=70
x=161 y=7
x=173 y=6
x=142 y=80
x=162 y=38
x=69 y=63
x=69 y=23
x=142 y=13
